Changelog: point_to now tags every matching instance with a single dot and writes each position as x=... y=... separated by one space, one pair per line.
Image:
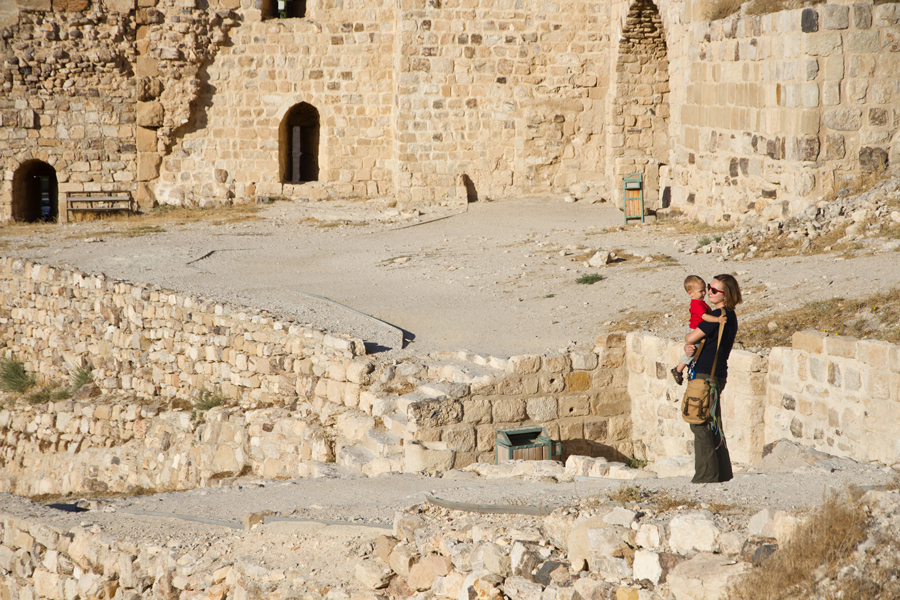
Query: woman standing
x=712 y=462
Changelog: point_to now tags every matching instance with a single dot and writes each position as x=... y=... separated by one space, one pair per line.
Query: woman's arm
x=692 y=338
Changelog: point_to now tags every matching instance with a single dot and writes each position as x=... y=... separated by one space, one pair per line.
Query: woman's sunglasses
x=713 y=290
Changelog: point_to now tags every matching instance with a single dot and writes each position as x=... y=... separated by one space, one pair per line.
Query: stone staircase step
x=382 y=442
x=354 y=426
x=396 y=423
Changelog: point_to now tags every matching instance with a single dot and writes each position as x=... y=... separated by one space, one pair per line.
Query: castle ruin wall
x=450 y=101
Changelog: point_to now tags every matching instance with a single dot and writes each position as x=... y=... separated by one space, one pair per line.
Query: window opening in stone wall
x=299 y=143
x=641 y=106
x=283 y=9
x=35 y=194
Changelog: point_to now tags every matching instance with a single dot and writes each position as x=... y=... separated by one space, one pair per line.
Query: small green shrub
x=81 y=377
x=589 y=279
x=635 y=463
x=208 y=400
x=704 y=241
x=14 y=377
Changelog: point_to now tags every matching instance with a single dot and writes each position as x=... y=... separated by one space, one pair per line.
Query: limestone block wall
x=115 y=445
x=656 y=420
x=158 y=343
x=510 y=94
x=339 y=60
x=66 y=99
x=785 y=107
x=836 y=394
x=831 y=393
x=579 y=398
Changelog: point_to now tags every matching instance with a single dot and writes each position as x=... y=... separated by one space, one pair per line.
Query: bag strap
x=719 y=341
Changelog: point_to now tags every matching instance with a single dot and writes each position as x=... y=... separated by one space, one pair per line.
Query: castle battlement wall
x=449 y=101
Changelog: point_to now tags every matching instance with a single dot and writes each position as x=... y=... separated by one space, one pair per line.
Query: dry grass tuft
x=628 y=494
x=817 y=548
x=877 y=317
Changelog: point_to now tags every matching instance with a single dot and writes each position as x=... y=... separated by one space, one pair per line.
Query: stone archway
x=639 y=140
x=35 y=193
x=298 y=142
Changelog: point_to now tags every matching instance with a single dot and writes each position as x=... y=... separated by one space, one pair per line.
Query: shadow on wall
x=471 y=192
x=594 y=449
x=35 y=193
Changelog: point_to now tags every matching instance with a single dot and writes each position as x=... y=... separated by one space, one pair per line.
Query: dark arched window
x=299 y=144
x=283 y=9
x=35 y=195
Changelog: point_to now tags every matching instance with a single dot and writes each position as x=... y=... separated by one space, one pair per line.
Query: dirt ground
x=492 y=277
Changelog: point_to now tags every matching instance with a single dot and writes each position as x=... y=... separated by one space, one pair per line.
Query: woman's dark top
x=705 y=360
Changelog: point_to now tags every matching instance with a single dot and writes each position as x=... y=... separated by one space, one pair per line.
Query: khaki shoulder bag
x=698 y=397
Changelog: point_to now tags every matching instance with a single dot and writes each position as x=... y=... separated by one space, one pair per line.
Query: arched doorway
x=299 y=144
x=35 y=196
x=641 y=105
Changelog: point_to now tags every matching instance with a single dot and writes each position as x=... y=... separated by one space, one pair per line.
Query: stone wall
x=831 y=393
x=451 y=417
x=97 y=91
x=447 y=101
x=161 y=344
x=656 y=400
x=836 y=394
x=98 y=447
x=785 y=107
x=331 y=402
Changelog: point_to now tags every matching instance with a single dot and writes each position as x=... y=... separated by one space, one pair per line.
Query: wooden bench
x=107 y=203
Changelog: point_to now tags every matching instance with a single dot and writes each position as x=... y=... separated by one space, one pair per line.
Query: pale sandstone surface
x=459 y=282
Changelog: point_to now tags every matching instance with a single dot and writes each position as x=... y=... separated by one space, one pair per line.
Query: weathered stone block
x=834 y=146
x=574 y=406
x=578 y=381
x=822 y=44
x=148 y=166
x=873 y=160
x=150 y=114
x=809 y=20
x=541 y=409
x=693 y=532
x=862 y=15
x=571 y=429
x=874 y=353
x=476 y=411
x=809 y=341
x=435 y=413
x=863 y=41
x=835 y=16
x=843 y=119
x=508 y=410
x=460 y=439
x=524 y=364
x=878 y=384
x=119 y=6
x=556 y=364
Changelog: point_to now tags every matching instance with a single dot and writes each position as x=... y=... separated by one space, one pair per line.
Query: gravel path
x=451 y=278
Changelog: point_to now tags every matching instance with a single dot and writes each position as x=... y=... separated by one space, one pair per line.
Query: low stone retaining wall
x=158 y=343
x=836 y=394
x=452 y=417
x=832 y=393
x=62 y=447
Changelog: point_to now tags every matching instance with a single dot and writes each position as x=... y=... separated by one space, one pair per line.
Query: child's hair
x=692 y=282
x=732 y=290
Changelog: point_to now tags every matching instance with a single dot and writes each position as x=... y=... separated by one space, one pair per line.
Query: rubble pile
x=869 y=221
x=607 y=551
